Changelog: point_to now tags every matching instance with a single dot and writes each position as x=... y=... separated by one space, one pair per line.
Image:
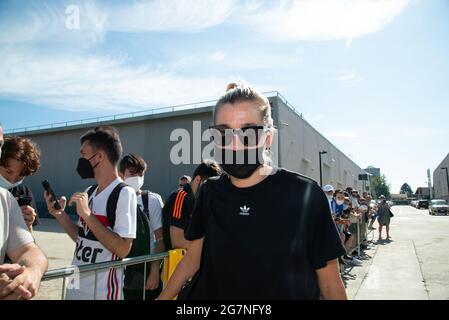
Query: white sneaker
x=356 y=262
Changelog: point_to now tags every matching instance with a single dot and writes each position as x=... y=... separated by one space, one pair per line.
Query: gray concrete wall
x=440 y=183
x=300 y=144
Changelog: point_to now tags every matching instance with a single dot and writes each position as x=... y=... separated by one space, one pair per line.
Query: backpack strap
x=111 y=206
x=145 y=200
x=91 y=190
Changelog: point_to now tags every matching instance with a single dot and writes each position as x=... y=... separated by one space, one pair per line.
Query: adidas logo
x=244 y=211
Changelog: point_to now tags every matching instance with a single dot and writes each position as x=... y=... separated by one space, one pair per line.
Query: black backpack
x=134 y=274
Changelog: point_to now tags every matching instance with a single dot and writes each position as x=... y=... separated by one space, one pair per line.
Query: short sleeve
x=18 y=231
x=180 y=213
x=126 y=214
x=197 y=226
x=324 y=243
x=155 y=205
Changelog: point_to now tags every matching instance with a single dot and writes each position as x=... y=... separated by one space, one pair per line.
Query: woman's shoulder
x=295 y=178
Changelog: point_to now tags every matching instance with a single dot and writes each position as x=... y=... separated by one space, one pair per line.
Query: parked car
x=422 y=204
x=413 y=203
x=438 y=206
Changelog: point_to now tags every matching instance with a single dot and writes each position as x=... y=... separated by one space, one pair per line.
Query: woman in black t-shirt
x=257 y=232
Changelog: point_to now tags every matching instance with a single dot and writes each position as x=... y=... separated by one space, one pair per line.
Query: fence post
x=358 y=238
x=144 y=278
x=123 y=282
x=63 y=289
x=95 y=285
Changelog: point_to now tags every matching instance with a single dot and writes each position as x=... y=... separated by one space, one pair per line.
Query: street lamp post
x=447 y=179
x=321 y=171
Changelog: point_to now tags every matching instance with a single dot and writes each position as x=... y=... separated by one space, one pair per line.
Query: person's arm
x=61 y=216
x=118 y=245
x=177 y=237
x=153 y=279
x=330 y=283
x=179 y=221
x=111 y=240
x=34 y=206
x=35 y=264
x=29 y=216
x=20 y=281
x=185 y=270
x=324 y=246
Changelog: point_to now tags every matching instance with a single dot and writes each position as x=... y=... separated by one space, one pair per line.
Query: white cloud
x=95 y=83
x=321 y=20
x=41 y=21
x=408 y=132
x=348 y=77
x=217 y=56
x=162 y=15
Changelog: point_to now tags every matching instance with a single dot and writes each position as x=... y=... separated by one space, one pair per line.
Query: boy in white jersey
x=99 y=236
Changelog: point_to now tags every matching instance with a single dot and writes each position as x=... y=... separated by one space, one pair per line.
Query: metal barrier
x=63 y=273
x=366 y=232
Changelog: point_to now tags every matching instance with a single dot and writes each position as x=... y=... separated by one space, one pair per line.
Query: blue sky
x=372 y=76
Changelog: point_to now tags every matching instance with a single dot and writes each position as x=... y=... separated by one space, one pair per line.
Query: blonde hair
x=240 y=92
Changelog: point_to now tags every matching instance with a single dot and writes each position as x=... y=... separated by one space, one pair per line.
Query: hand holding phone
x=50 y=191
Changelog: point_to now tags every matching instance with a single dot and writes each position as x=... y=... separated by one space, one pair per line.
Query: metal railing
x=95 y=268
x=130 y=115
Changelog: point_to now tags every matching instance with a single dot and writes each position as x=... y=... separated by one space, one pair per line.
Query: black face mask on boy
x=85 y=169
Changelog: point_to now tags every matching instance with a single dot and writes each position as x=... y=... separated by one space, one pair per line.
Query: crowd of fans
x=354 y=216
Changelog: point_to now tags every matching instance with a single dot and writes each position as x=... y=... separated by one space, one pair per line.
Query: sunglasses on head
x=249 y=136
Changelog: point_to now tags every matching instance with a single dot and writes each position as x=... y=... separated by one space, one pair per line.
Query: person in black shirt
x=178 y=208
x=257 y=232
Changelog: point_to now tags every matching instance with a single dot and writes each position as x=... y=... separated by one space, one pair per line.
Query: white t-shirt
x=155 y=205
x=90 y=250
x=13 y=231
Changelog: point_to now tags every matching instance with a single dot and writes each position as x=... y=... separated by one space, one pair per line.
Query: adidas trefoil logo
x=244 y=211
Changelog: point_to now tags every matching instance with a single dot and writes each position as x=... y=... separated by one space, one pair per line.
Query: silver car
x=438 y=207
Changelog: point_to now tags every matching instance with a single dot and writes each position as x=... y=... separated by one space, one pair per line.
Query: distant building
x=373 y=171
x=422 y=193
x=401 y=198
x=440 y=180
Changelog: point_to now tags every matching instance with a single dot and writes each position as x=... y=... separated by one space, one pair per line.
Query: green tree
x=381 y=187
x=406 y=189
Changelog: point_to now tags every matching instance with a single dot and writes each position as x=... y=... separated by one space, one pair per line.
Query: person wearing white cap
x=329 y=191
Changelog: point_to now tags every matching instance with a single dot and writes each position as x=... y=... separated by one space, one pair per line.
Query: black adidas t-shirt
x=265 y=241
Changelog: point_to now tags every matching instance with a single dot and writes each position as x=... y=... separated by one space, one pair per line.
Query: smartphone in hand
x=50 y=191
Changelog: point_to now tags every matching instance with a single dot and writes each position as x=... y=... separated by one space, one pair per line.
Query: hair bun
x=231 y=86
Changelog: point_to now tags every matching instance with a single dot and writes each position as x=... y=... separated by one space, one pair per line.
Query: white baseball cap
x=328 y=188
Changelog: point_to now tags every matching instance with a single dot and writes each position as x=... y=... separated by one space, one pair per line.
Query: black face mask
x=240 y=164
x=85 y=169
